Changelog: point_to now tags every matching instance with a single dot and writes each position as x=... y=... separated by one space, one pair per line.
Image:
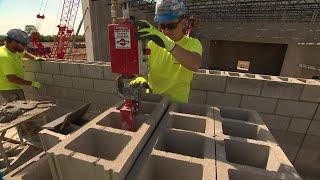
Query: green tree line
x=49 y=38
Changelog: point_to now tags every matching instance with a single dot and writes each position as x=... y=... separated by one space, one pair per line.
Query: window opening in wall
x=243 y=65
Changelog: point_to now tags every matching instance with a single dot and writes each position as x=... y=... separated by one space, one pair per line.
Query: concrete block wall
x=102 y=149
x=288 y=106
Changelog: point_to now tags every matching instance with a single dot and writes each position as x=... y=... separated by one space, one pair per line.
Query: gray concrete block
x=197 y=97
x=223 y=99
x=317 y=115
x=50 y=67
x=209 y=82
x=112 y=99
x=45 y=78
x=91 y=71
x=299 y=125
x=296 y=109
x=314 y=128
x=308 y=161
x=49 y=138
x=105 y=86
x=95 y=97
x=311 y=91
x=108 y=74
x=290 y=142
x=68 y=104
x=242 y=85
x=281 y=90
x=82 y=83
x=276 y=122
x=260 y=104
x=65 y=93
x=70 y=69
x=30 y=76
x=32 y=66
x=63 y=81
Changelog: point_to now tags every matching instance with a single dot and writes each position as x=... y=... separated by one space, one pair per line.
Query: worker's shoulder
x=3 y=52
x=193 y=40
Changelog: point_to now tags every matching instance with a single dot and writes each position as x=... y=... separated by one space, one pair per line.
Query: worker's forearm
x=15 y=79
x=189 y=60
x=29 y=56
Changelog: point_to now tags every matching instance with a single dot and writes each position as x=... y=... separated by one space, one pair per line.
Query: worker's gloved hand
x=140 y=82
x=40 y=59
x=36 y=85
x=156 y=36
x=143 y=24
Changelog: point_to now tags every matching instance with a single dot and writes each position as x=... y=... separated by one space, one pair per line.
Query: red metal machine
x=128 y=60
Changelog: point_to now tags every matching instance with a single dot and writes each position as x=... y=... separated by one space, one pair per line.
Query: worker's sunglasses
x=170 y=26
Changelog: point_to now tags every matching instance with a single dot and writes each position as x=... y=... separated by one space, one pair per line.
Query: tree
x=30 y=29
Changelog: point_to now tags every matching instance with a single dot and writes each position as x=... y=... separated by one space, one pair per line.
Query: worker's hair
x=8 y=40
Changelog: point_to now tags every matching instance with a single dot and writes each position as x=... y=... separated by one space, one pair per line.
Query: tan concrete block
x=91 y=71
x=63 y=81
x=112 y=99
x=105 y=86
x=30 y=76
x=223 y=99
x=50 y=67
x=311 y=91
x=70 y=69
x=276 y=122
x=49 y=138
x=281 y=90
x=296 y=109
x=260 y=104
x=32 y=66
x=197 y=97
x=95 y=97
x=308 y=161
x=108 y=74
x=244 y=85
x=69 y=104
x=314 y=128
x=214 y=81
x=82 y=83
x=317 y=115
x=65 y=93
x=44 y=78
x=299 y=125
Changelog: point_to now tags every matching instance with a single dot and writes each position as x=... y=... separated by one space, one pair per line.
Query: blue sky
x=18 y=13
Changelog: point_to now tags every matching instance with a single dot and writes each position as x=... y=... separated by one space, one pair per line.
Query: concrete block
x=32 y=66
x=108 y=74
x=105 y=86
x=65 y=93
x=197 y=97
x=317 y=115
x=70 y=69
x=112 y=99
x=209 y=81
x=308 y=161
x=50 y=67
x=36 y=168
x=44 y=78
x=82 y=83
x=102 y=149
x=49 y=138
x=178 y=150
x=95 y=97
x=276 y=122
x=314 y=128
x=311 y=91
x=223 y=99
x=260 y=104
x=282 y=90
x=290 y=142
x=244 y=85
x=91 y=71
x=63 y=81
x=299 y=125
x=30 y=76
x=69 y=104
x=296 y=109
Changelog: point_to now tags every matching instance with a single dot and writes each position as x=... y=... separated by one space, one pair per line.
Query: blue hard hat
x=169 y=10
x=18 y=35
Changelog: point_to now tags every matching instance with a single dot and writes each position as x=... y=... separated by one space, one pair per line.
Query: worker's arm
x=15 y=79
x=32 y=57
x=188 y=59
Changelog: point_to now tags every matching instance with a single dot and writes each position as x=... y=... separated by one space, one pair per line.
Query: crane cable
x=40 y=17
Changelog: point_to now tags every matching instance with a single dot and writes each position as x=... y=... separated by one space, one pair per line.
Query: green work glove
x=140 y=82
x=149 y=32
x=36 y=85
x=40 y=59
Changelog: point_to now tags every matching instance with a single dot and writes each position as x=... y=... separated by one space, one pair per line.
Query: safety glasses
x=170 y=26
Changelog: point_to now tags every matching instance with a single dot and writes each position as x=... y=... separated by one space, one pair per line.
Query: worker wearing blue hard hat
x=11 y=66
x=174 y=56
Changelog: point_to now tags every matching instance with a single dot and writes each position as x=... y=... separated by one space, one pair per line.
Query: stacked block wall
x=288 y=106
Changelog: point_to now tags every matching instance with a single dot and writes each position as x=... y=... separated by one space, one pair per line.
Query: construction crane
x=65 y=28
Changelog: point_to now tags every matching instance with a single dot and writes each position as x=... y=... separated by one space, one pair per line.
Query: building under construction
x=253 y=111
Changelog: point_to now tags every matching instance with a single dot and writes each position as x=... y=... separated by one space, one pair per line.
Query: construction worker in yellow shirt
x=11 y=66
x=174 y=56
